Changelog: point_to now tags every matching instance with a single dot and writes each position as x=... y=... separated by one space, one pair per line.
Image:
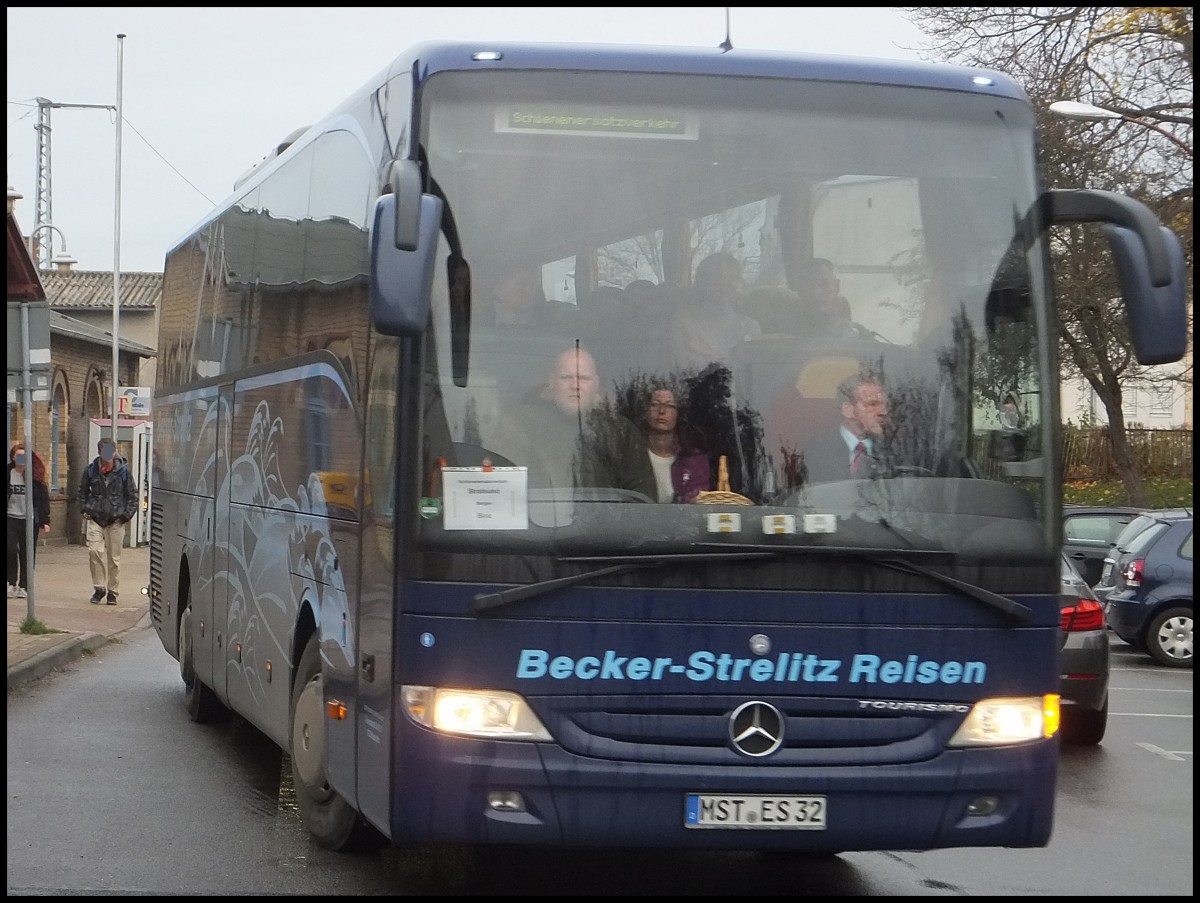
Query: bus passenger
x=823 y=309
x=568 y=436
x=707 y=329
x=681 y=469
x=515 y=298
x=856 y=447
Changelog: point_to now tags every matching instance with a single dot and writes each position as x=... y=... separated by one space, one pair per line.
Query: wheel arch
x=306 y=628
x=1176 y=599
x=183 y=590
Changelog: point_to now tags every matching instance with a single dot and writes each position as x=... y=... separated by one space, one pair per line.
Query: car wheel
x=332 y=821
x=202 y=704
x=1169 y=637
x=1085 y=727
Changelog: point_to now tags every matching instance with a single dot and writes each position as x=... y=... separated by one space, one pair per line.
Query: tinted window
x=1132 y=529
x=1101 y=529
x=1146 y=538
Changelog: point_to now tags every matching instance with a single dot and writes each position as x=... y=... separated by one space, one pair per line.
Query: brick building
x=81 y=355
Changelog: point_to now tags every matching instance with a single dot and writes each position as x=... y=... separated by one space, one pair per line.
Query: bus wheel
x=201 y=702
x=332 y=821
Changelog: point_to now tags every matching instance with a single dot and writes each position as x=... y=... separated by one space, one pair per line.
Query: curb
x=65 y=653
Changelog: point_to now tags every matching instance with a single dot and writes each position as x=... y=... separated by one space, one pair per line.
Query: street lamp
x=1074 y=109
x=63 y=259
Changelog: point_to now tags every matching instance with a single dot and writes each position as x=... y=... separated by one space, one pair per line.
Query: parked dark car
x=1083 y=661
x=1108 y=577
x=1089 y=532
x=1150 y=606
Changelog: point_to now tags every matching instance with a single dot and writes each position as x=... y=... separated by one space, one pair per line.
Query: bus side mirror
x=404 y=178
x=402 y=279
x=1158 y=316
x=1150 y=266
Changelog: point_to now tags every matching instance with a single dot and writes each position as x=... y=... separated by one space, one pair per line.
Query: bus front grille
x=684 y=730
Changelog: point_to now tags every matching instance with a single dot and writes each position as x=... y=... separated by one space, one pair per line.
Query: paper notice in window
x=493 y=499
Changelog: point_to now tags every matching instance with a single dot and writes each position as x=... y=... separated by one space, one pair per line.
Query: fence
x=1161 y=453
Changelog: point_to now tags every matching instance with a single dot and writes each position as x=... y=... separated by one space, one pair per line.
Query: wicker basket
x=721 y=495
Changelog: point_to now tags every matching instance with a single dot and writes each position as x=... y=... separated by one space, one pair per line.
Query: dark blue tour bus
x=417 y=520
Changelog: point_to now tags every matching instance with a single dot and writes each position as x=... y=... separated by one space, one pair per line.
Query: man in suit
x=857 y=448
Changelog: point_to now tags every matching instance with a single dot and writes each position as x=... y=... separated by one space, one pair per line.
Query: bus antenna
x=727 y=44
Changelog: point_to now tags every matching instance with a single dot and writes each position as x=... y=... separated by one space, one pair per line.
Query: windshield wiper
x=883 y=557
x=888 y=558
x=617 y=564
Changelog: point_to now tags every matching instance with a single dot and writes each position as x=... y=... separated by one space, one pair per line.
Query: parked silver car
x=1088 y=533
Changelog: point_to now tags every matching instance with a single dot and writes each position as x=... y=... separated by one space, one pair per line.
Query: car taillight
x=1081 y=614
x=1133 y=572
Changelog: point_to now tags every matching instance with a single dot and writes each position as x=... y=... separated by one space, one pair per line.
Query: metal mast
x=42 y=202
x=41 y=208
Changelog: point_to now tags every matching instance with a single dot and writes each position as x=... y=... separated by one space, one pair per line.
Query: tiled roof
x=60 y=324
x=93 y=289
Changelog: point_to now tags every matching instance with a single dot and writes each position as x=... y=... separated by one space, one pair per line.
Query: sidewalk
x=62 y=586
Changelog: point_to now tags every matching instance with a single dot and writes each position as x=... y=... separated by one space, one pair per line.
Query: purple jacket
x=690 y=475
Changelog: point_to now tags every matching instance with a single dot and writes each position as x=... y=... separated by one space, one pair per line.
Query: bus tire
x=332 y=821
x=202 y=704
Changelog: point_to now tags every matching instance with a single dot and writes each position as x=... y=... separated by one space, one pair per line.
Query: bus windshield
x=738 y=311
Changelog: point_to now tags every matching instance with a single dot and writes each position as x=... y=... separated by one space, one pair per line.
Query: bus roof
x=439 y=56
x=431 y=57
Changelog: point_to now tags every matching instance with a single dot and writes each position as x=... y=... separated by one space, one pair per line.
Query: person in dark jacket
x=568 y=437
x=21 y=558
x=108 y=501
x=857 y=448
x=681 y=469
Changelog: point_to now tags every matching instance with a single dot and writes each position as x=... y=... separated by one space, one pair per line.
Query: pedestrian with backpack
x=108 y=501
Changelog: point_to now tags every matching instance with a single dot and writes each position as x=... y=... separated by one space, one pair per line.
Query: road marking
x=1150 y=715
x=1148 y=690
x=1158 y=751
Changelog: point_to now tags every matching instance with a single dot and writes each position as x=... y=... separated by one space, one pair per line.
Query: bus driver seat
x=808 y=408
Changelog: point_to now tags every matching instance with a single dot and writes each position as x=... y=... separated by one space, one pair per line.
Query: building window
x=1129 y=400
x=58 y=422
x=1162 y=401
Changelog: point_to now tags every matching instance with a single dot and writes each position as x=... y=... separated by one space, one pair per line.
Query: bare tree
x=1135 y=61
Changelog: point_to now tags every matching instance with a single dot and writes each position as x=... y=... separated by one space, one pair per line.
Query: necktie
x=860 y=452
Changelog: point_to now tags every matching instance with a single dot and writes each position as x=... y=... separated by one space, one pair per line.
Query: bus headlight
x=491 y=714
x=1009 y=719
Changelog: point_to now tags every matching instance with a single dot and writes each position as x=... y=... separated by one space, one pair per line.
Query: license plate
x=707 y=810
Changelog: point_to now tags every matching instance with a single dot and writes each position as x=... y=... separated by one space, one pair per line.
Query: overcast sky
x=206 y=92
